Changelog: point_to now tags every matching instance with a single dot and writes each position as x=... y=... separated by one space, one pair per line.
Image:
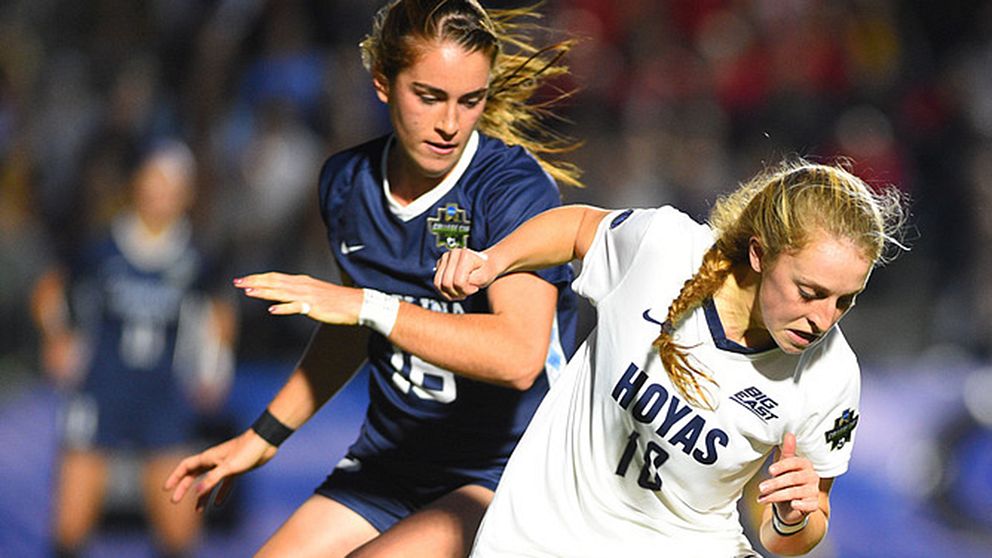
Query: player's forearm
x=49 y=308
x=554 y=237
x=485 y=347
x=795 y=544
x=330 y=359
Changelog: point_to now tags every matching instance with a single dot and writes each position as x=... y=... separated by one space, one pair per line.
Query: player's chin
x=790 y=345
x=436 y=169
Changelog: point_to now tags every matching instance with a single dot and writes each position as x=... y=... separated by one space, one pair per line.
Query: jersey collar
x=427 y=200
x=719 y=335
x=146 y=252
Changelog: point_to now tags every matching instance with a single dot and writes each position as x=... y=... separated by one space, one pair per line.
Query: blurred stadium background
x=677 y=101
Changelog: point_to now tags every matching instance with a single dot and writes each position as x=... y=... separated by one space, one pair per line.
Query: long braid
x=684 y=376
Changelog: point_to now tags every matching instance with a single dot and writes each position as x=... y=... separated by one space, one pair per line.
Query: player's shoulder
x=671 y=218
x=834 y=346
x=342 y=166
x=831 y=360
x=493 y=151
x=658 y=225
x=346 y=169
x=498 y=166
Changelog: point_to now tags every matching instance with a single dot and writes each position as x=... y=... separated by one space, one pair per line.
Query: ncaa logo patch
x=450 y=227
x=843 y=429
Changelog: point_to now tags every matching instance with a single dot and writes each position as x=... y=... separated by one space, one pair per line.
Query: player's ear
x=755 y=253
x=381 y=85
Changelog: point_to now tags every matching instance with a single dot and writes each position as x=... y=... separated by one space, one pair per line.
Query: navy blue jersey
x=427 y=414
x=131 y=302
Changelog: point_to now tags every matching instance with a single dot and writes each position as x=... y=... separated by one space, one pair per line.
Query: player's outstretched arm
x=301 y=294
x=327 y=364
x=798 y=503
x=506 y=347
x=551 y=238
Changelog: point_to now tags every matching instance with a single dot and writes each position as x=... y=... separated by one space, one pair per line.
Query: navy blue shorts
x=127 y=421
x=386 y=490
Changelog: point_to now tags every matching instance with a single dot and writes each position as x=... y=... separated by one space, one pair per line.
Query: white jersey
x=615 y=461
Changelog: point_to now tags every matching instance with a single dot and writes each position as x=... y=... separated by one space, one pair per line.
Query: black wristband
x=270 y=429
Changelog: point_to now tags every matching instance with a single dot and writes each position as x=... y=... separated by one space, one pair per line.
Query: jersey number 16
x=423 y=379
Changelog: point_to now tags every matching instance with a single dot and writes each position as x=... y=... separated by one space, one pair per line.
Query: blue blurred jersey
x=418 y=411
x=130 y=302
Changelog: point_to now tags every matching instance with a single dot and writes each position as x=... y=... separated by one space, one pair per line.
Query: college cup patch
x=843 y=429
x=450 y=227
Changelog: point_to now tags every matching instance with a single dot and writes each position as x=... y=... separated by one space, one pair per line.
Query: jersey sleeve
x=613 y=250
x=826 y=436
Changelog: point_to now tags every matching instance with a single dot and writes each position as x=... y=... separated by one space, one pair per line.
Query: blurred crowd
x=675 y=102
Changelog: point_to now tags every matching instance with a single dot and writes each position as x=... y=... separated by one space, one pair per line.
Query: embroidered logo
x=843 y=429
x=450 y=227
x=758 y=403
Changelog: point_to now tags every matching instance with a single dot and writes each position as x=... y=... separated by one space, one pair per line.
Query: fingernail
x=238 y=280
x=249 y=289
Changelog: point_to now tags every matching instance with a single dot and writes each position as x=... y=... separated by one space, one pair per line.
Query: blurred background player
x=452 y=386
x=131 y=331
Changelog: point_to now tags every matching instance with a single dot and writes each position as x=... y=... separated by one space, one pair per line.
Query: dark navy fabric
x=384 y=490
x=415 y=413
x=130 y=317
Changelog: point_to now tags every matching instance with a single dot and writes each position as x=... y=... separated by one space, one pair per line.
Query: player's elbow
x=524 y=370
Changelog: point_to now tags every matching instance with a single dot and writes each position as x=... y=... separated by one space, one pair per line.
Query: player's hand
x=462 y=272
x=302 y=294
x=794 y=486
x=218 y=465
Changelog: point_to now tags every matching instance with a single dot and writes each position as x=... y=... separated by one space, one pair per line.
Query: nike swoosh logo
x=648 y=317
x=349 y=464
x=345 y=249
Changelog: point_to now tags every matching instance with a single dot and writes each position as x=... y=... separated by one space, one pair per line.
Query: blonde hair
x=402 y=27
x=783 y=208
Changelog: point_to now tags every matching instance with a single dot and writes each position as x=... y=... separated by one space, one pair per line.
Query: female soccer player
x=434 y=443
x=631 y=452
x=157 y=345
